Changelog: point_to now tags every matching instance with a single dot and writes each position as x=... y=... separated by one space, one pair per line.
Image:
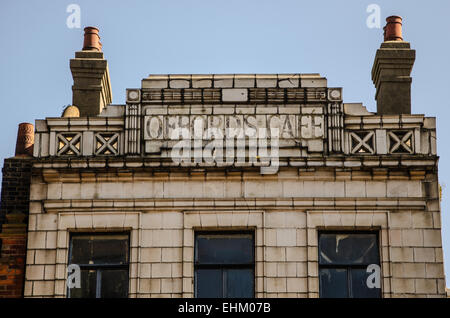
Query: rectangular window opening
x=224 y=264
x=349 y=264
x=103 y=259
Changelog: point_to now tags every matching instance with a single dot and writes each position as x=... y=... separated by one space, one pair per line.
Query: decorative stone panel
x=401 y=141
x=69 y=144
x=106 y=143
x=362 y=142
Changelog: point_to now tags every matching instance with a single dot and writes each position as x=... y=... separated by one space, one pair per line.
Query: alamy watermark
x=374 y=279
x=73 y=21
x=226 y=147
x=373 y=21
x=73 y=276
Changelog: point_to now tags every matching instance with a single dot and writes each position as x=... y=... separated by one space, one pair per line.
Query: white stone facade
x=345 y=175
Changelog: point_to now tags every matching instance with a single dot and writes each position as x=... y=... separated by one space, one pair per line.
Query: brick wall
x=15 y=187
x=13 y=224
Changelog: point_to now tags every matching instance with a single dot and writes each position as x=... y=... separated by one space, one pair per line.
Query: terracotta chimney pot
x=25 y=140
x=393 y=29
x=91 y=39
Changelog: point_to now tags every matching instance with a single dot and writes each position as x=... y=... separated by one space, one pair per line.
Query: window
x=224 y=265
x=103 y=260
x=343 y=261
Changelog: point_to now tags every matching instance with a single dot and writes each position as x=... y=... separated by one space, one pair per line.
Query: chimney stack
x=392 y=69
x=25 y=140
x=91 y=83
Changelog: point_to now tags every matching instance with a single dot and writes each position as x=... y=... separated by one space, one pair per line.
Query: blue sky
x=211 y=36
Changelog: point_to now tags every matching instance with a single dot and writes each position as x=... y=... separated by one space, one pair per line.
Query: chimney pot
x=91 y=39
x=393 y=29
x=25 y=140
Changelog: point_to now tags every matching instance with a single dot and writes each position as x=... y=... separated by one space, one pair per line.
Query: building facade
x=235 y=186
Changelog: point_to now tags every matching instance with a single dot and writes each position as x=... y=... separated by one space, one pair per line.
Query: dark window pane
x=348 y=249
x=333 y=283
x=99 y=249
x=81 y=250
x=111 y=249
x=359 y=285
x=88 y=285
x=224 y=249
x=239 y=283
x=114 y=283
x=103 y=259
x=209 y=283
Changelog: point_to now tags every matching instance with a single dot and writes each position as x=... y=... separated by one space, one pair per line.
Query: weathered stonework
x=143 y=168
x=341 y=167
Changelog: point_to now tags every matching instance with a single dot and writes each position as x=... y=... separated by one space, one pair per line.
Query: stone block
x=403 y=285
x=36 y=240
x=45 y=257
x=34 y=272
x=154 y=285
x=422 y=220
x=297 y=285
x=376 y=189
x=61 y=255
x=275 y=254
x=54 y=191
x=296 y=254
x=400 y=219
x=151 y=255
x=172 y=220
x=83 y=221
x=432 y=238
x=426 y=286
x=355 y=189
x=401 y=254
x=412 y=237
x=161 y=270
x=49 y=272
x=286 y=237
x=395 y=237
x=171 y=255
x=205 y=83
x=397 y=188
x=234 y=95
x=275 y=285
x=151 y=220
x=43 y=288
x=244 y=80
x=434 y=270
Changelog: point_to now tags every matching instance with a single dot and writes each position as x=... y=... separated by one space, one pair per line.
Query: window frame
x=100 y=267
x=224 y=267
x=348 y=267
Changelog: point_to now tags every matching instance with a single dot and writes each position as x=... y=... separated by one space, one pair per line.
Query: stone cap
x=234 y=81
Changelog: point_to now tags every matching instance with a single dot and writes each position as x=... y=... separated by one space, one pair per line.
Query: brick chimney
x=91 y=84
x=392 y=69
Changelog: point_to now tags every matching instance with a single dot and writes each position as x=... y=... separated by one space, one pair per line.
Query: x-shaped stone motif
x=69 y=144
x=364 y=144
x=404 y=141
x=107 y=143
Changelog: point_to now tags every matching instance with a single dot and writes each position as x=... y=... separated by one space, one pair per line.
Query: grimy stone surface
x=340 y=168
x=91 y=83
x=391 y=75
